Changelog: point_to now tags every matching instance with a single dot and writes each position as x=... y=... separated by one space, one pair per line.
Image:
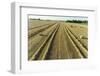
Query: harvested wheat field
x=50 y=40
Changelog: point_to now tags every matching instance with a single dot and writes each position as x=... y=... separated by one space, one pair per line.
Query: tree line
x=77 y=21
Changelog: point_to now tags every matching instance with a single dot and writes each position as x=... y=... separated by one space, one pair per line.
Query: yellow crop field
x=50 y=40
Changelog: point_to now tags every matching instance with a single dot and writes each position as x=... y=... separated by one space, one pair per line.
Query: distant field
x=50 y=40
